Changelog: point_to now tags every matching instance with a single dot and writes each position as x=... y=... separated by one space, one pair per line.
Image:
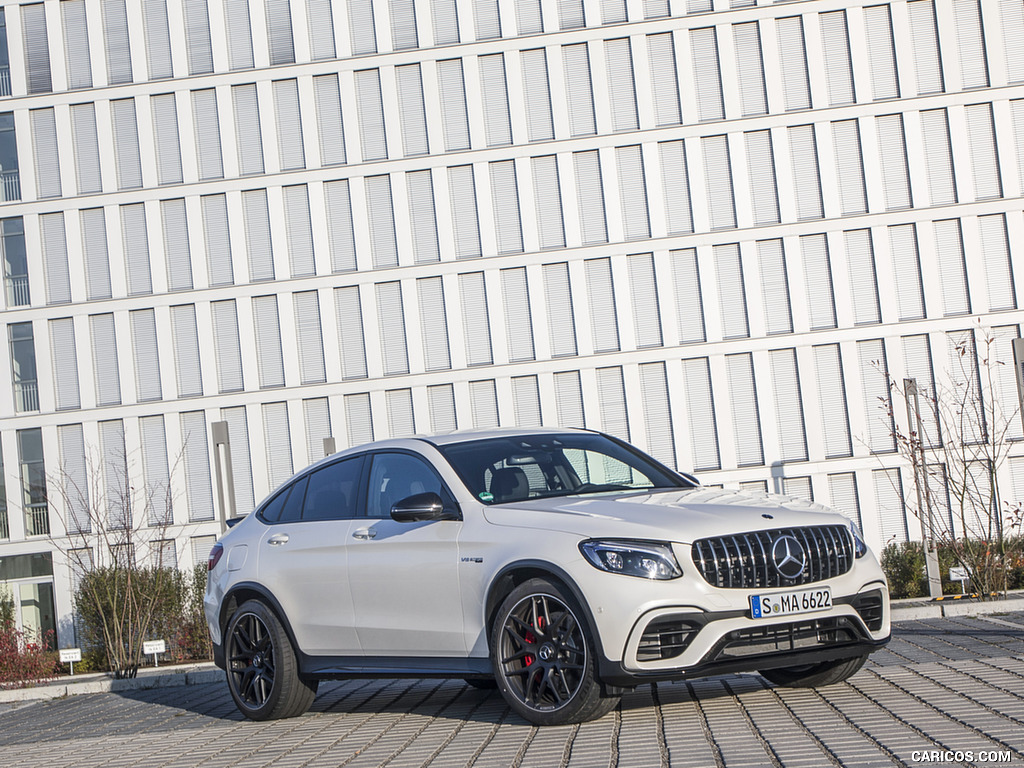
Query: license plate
x=788 y=603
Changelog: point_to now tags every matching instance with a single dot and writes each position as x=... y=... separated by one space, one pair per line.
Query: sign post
x=154 y=647
x=959 y=573
x=70 y=656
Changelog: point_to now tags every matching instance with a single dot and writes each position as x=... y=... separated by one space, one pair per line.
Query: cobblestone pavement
x=953 y=684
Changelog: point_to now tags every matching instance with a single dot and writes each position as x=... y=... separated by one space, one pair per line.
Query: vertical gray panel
x=497 y=126
x=87 y=148
x=454 y=117
x=257 y=235
x=664 y=79
x=76 y=42
x=475 y=318
x=126 y=143
x=774 y=287
x=341 y=235
x=603 y=320
x=889 y=500
x=196 y=456
x=247 y=129
x=689 y=305
x=197 y=36
x=414 y=116
x=187 y=365
x=917 y=361
x=537 y=95
x=104 y=360
x=707 y=76
x=218 y=240
x=860 y=258
x=158 y=39
x=613 y=11
x=835 y=42
x=44 y=146
x=135 y=239
x=207 y=120
x=925 y=39
x=505 y=197
x=73 y=477
x=289 y=125
x=279 y=451
x=65 y=363
x=849 y=167
x=518 y=321
x=658 y=413
x=146 y=355
x=701 y=414
x=115 y=30
x=401 y=422
x=433 y=324
x=803 y=150
x=349 y=317
x=832 y=397
x=97 y=259
x=309 y=337
x=881 y=53
x=391 y=319
x=360 y=20
x=168 y=144
x=462 y=190
x=793 y=62
x=570 y=14
x=487 y=21
x=611 y=395
x=370 y=109
x=441 y=401
x=55 y=258
x=731 y=291
x=621 y=87
x=241 y=463
x=179 y=258
x=558 y=298
x=422 y=216
x=949 y=250
x=359 y=418
x=483 y=400
x=753 y=96
x=321 y=29
x=37 y=48
x=718 y=178
x=746 y=419
x=403 y=25
x=874 y=378
x=269 y=353
x=579 y=90
x=382 y=221
x=939 y=157
x=227 y=346
x=984 y=158
x=998 y=270
x=158 y=502
x=821 y=308
x=526 y=401
x=548 y=197
x=906 y=263
x=761 y=167
x=971 y=42
x=444 y=14
x=279 y=32
x=239 y=34
x=329 y=120
x=675 y=178
x=569 y=399
x=590 y=195
x=892 y=150
x=300 y=231
x=644 y=291
x=789 y=411
x=317 y=416
x=842 y=489
x=633 y=193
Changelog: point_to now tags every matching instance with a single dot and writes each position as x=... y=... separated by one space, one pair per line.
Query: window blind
x=789 y=412
x=570 y=14
x=881 y=54
x=654 y=9
x=842 y=490
x=227 y=346
x=1012 y=16
x=74 y=477
x=196 y=458
x=664 y=79
x=97 y=259
x=247 y=129
x=925 y=41
x=370 y=109
x=419 y=186
x=483 y=401
x=310 y=337
x=454 y=118
x=176 y=250
x=633 y=193
x=239 y=34
x=860 y=259
x=731 y=291
x=892 y=150
x=528 y=17
x=300 y=230
x=383 y=242
x=558 y=299
x=65 y=363
x=878 y=406
x=746 y=418
x=207 y=134
x=218 y=240
x=444 y=14
x=849 y=167
x=155 y=470
x=998 y=270
x=401 y=422
x=657 y=413
x=917 y=362
x=644 y=293
x=774 y=287
x=796 y=86
x=115 y=30
x=949 y=251
x=289 y=124
x=763 y=186
x=889 y=502
x=939 y=157
x=701 y=414
x=674 y=175
x=803 y=150
x=547 y=195
x=590 y=196
x=613 y=11
x=569 y=399
x=359 y=418
x=55 y=258
x=279 y=451
x=718 y=180
x=689 y=304
x=37 y=48
x=441 y=406
x=984 y=158
x=832 y=397
x=168 y=145
x=579 y=90
x=462 y=193
x=188 y=368
x=433 y=323
x=146 y=355
x=494 y=92
x=537 y=95
x=835 y=41
x=257 y=235
x=197 y=37
x=126 y=143
x=526 y=401
x=505 y=197
x=87 y=148
x=611 y=396
x=279 y=32
x=971 y=43
x=135 y=239
x=329 y=120
x=906 y=264
x=603 y=319
x=413 y=111
x=391 y=321
x=487 y=21
x=158 y=39
x=76 y=42
x=706 y=74
x=750 y=68
x=475 y=318
x=621 y=87
x=349 y=317
x=321 y=29
x=269 y=354
x=821 y=308
x=518 y=320
x=44 y=146
x=104 y=359
x=361 y=26
x=341 y=235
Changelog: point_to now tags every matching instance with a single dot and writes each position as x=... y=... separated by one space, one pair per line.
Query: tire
x=263 y=674
x=815 y=675
x=543 y=657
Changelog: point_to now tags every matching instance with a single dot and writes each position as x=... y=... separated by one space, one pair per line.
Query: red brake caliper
x=530 y=638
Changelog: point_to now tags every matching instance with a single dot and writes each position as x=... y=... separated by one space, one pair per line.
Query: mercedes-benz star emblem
x=789 y=557
x=546 y=652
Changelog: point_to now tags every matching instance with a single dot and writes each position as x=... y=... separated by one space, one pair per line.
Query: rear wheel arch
x=245 y=591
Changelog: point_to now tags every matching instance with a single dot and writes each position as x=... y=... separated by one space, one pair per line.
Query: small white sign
x=68 y=655
x=958 y=574
x=154 y=646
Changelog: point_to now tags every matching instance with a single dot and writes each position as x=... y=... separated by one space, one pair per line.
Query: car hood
x=673 y=515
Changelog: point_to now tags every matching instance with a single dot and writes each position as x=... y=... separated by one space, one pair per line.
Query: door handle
x=364 y=533
x=278 y=539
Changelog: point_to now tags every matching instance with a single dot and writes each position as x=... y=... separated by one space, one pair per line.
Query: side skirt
x=348 y=667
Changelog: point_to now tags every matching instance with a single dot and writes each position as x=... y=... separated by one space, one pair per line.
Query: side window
x=395 y=476
x=293 y=507
x=331 y=494
x=272 y=509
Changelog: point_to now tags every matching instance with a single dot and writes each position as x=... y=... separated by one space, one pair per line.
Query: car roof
x=472 y=435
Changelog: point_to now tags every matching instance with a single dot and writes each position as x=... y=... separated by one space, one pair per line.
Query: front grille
x=666 y=638
x=744 y=561
x=869 y=606
x=781 y=638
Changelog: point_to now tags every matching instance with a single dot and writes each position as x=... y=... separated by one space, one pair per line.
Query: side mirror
x=420 y=507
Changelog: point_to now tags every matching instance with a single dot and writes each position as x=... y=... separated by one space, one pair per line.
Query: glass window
x=33 y=482
x=23 y=367
x=10 y=181
x=5 y=60
x=332 y=491
x=396 y=476
x=12 y=248
x=272 y=509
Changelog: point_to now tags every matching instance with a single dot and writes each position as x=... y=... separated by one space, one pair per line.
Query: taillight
x=215 y=555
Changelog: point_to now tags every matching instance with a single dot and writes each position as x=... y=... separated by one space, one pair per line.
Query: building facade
x=710 y=227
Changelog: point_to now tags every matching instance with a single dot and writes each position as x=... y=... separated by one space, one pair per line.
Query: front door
x=404 y=576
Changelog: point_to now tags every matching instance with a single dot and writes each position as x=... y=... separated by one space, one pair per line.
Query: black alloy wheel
x=251 y=660
x=543 y=659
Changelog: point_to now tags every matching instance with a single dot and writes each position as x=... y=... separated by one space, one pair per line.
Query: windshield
x=508 y=469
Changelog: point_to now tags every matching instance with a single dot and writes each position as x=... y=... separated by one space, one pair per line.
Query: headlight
x=859 y=547
x=647 y=560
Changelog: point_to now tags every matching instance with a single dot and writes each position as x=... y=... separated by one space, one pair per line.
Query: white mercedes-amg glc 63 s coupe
x=563 y=566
